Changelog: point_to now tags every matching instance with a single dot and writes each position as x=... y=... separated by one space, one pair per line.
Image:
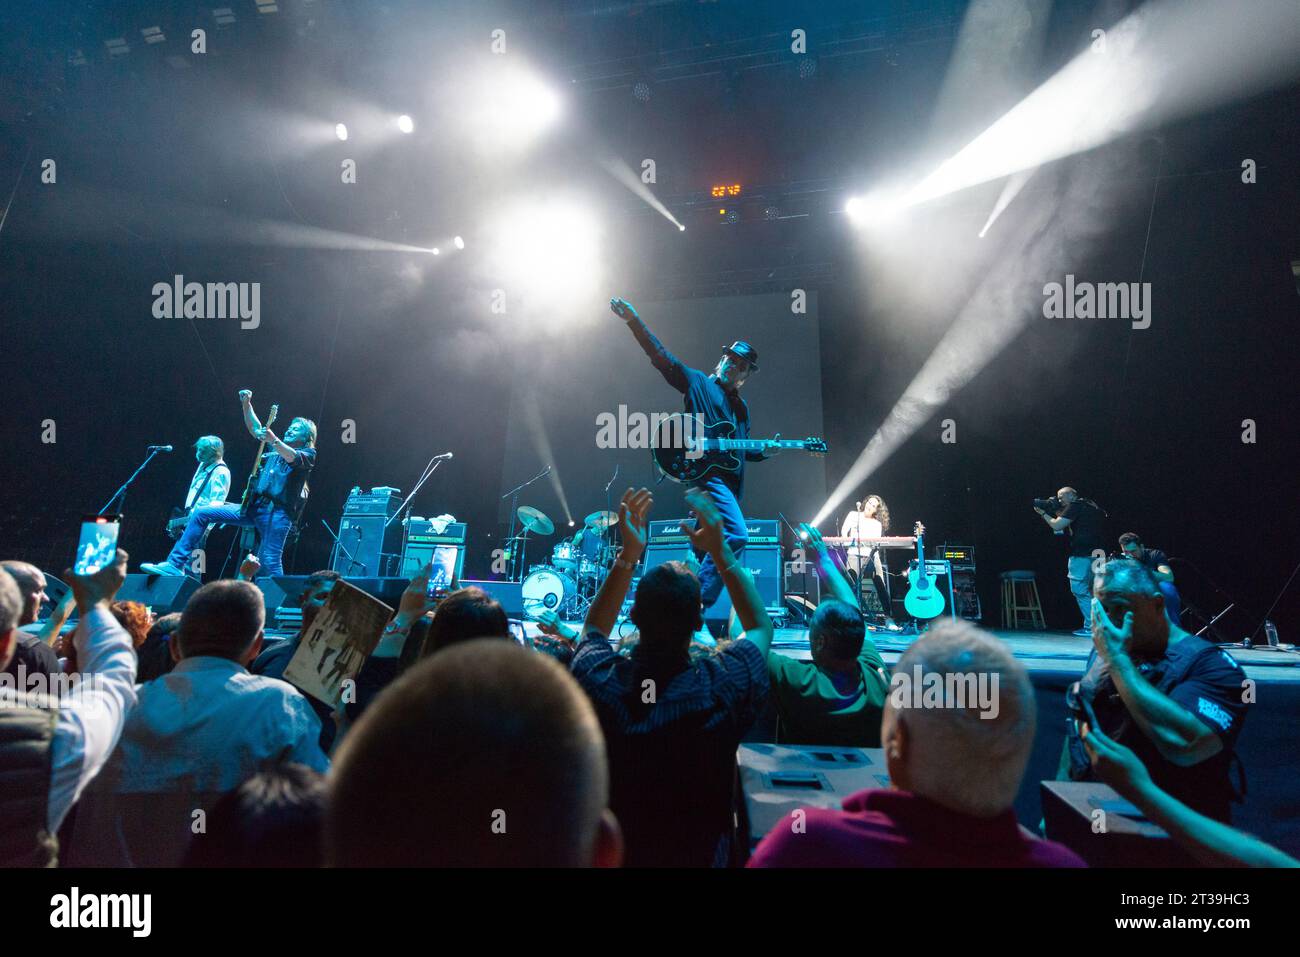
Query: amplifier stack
x=762 y=557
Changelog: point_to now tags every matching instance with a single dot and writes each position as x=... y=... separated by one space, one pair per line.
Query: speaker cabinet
x=163 y=593
x=369 y=543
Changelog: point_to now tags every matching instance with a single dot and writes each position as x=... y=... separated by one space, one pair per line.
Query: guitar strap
x=207 y=479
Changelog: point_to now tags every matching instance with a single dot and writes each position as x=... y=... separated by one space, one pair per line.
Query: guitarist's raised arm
x=668 y=364
x=251 y=421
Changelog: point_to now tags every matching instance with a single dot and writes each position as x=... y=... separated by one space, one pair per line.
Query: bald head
x=959 y=721
x=31 y=585
x=1124 y=586
x=483 y=755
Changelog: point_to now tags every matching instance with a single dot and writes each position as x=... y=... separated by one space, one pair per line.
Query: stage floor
x=1039 y=650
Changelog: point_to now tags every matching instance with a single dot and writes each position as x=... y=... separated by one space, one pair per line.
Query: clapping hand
x=633 y=512
x=707 y=537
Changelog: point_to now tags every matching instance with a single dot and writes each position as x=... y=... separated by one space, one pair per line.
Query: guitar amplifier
x=962 y=557
x=362 y=533
x=421 y=539
x=762 y=558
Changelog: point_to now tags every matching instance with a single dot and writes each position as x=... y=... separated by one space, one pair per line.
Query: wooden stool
x=1020 y=604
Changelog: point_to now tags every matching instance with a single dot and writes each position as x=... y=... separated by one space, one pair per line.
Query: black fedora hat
x=743 y=350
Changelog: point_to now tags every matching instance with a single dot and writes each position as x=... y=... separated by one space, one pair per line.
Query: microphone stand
x=428 y=471
x=513 y=495
x=340 y=547
x=606 y=533
x=120 y=495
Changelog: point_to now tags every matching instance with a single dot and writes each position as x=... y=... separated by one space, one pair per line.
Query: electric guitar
x=248 y=537
x=923 y=599
x=683 y=454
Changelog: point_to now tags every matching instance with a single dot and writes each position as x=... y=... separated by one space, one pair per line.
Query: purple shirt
x=886 y=828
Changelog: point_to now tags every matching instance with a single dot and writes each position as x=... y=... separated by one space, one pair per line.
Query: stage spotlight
x=570 y=523
x=341 y=131
x=641 y=91
x=508 y=109
x=872 y=209
x=405 y=123
x=434 y=250
x=460 y=243
x=547 y=249
x=681 y=228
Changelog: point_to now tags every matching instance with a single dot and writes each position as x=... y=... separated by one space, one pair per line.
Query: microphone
x=444 y=455
x=159 y=448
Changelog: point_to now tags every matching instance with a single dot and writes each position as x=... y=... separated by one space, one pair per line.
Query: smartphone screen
x=444 y=570
x=98 y=545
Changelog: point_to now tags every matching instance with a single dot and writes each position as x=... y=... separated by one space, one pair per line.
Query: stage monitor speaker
x=163 y=593
x=509 y=594
x=368 y=542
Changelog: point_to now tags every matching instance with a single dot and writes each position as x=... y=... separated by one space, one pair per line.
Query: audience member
x=672 y=727
x=956 y=754
x=31 y=654
x=195 y=734
x=52 y=746
x=274 y=819
x=1208 y=841
x=155 y=653
x=837 y=698
x=1176 y=700
x=493 y=757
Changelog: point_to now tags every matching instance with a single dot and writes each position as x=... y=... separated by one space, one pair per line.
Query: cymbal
x=601 y=520
x=535 y=520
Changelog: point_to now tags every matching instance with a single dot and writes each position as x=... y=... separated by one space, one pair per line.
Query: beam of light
x=98 y=215
x=542 y=444
x=341 y=131
x=624 y=175
x=1170 y=59
x=1014 y=184
x=458 y=242
x=405 y=123
x=1165 y=61
x=1058 y=229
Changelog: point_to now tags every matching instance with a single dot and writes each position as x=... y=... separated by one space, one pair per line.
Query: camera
x=1052 y=504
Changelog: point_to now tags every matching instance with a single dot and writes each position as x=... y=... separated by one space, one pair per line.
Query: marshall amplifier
x=362 y=533
x=762 y=558
x=421 y=539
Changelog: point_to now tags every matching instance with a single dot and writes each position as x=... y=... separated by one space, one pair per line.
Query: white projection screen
x=560 y=391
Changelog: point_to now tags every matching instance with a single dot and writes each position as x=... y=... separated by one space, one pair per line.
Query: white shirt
x=216 y=490
x=90 y=718
x=207 y=726
x=856 y=525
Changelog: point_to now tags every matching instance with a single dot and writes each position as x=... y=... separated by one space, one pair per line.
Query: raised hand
x=708 y=536
x=1115 y=764
x=623 y=309
x=633 y=512
x=245 y=396
x=249 y=567
x=99 y=588
x=1110 y=641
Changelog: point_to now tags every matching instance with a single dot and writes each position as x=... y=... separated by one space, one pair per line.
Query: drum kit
x=567 y=585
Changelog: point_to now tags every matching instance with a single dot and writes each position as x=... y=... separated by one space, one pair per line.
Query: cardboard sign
x=341 y=639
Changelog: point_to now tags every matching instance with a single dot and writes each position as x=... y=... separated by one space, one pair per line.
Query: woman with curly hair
x=869 y=520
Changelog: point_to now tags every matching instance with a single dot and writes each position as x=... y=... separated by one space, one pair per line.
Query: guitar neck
x=754 y=445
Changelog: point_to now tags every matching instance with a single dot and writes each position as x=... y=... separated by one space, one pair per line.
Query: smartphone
x=98 y=545
x=444 y=570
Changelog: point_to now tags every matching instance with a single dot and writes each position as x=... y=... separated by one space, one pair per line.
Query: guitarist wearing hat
x=709 y=397
x=271 y=501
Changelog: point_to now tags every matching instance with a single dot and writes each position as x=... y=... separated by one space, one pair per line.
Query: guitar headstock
x=918 y=529
x=816 y=446
x=270 y=417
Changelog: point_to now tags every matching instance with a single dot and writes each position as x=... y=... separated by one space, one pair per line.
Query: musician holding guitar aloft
x=709 y=398
x=271 y=501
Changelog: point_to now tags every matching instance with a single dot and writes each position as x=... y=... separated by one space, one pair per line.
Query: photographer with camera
x=1083 y=518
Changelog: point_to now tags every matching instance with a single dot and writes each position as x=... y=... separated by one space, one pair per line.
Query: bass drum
x=548 y=589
